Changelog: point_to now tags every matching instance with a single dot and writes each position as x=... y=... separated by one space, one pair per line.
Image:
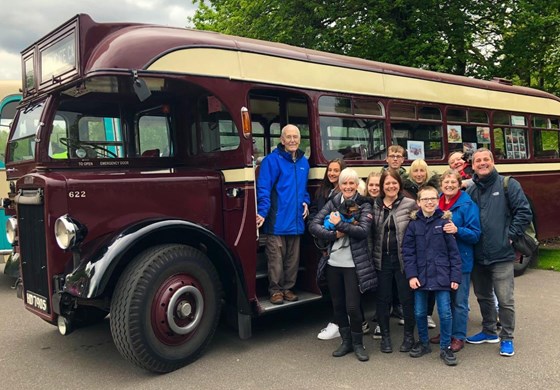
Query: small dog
x=348 y=213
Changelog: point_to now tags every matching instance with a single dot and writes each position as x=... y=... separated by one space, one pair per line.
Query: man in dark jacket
x=502 y=218
x=282 y=207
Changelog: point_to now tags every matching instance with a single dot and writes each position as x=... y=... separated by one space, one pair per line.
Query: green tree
x=530 y=53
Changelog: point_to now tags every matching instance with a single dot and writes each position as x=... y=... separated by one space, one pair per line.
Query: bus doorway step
x=304 y=297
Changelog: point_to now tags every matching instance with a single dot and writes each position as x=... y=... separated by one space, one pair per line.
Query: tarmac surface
x=285 y=353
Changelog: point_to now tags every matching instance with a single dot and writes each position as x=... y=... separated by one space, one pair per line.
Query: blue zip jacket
x=429 y=253
x=281 y=192
x=465 y=215
x=500 y=220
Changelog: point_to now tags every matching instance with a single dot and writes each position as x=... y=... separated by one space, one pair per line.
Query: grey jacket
x=500 y=220
x=401 y=216
x=367 y=277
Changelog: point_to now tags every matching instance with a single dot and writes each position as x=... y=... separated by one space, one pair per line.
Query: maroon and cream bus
x=133 y=155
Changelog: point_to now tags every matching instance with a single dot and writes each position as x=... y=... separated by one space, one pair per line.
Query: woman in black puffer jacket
x=348 y=265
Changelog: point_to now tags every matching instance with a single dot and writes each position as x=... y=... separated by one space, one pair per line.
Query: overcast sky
x=25 y=21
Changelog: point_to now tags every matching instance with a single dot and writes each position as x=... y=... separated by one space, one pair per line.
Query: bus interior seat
x=546 y=154
x=150 y=153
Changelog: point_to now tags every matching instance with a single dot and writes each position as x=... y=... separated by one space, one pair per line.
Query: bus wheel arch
x=169 y=282
x=230 y=275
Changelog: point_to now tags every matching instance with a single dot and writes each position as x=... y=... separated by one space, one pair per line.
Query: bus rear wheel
x=523 y=262
x=166 y=308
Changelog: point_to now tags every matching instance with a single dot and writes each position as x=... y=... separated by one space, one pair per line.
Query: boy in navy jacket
x=432 y=262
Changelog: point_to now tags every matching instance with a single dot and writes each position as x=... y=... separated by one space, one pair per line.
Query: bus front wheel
x=166 y=307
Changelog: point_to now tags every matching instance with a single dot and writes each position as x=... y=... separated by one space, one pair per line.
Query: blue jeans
x=460 y=308
x=443 y=301
x=495 y=278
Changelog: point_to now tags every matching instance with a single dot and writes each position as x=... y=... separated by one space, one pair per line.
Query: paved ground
x=285 y=354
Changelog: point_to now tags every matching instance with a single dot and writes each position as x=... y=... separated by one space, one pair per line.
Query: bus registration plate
x=36 y=301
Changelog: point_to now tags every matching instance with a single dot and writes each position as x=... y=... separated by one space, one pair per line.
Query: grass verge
x=549 y=259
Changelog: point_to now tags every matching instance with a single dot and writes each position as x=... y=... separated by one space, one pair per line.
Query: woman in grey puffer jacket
x=348 y=266
x=391 y=214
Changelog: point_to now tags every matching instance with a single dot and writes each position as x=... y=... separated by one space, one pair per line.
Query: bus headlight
x=68 y=232
x=11 y=230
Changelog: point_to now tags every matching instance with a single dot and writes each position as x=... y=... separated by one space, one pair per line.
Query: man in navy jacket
x=283 y=201
x=502 y=217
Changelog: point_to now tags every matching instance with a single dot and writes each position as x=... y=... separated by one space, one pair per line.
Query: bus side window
x=546 y=137
x=352 y=128
x=270 y=111
x=154 y=136
x=418 y=129
x=218 y=131
x=510 y=138
x=60 y=130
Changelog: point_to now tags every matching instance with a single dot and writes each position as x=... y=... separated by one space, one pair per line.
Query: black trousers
x=389 y=274
x=346 y=297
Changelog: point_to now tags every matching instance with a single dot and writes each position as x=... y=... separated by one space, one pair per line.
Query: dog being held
x=348 y=211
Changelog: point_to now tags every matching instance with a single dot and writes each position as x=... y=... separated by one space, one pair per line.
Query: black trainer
x=420 y=349
x=448 y=356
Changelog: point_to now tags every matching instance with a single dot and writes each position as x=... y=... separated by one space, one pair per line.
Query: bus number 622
x=76 y=194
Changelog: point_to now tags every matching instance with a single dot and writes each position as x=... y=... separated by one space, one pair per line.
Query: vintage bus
x=135 y=150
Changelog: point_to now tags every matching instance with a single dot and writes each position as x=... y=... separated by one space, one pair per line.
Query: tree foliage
x=516 y=39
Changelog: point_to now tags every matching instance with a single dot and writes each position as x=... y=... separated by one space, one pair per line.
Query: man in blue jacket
x=282 y=207
x=502 y=217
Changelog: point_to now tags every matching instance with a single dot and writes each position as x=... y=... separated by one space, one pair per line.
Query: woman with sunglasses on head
x=347 y=266
x=391 y=214
x=326 y=191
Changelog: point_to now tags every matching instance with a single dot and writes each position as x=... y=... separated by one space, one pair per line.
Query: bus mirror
x=245 y=122
x=140 y=87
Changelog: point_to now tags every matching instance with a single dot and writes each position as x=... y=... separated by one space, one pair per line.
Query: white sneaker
x=431 y=323
x=329 y=333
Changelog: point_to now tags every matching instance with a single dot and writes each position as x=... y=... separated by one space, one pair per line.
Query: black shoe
x=359 y=349
x=346 y=345
x=448 y=357
x=386 y=344
x=420 y=349
x=408 y=342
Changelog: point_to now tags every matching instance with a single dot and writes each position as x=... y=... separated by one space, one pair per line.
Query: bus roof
x=9 y=87
x=126 y=46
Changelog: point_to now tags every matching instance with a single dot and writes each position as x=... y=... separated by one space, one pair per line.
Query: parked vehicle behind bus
x=134 y=155
x=9 y=98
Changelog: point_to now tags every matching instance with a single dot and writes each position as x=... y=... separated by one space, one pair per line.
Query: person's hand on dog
x=334 y=217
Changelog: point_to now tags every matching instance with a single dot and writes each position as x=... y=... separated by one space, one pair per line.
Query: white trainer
x=431 y=323
x=329 y=333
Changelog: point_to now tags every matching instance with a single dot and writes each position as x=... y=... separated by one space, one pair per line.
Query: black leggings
x=346 y=297
x=386 y=278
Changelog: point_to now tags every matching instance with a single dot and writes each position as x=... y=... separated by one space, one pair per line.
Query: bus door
x=271 y=110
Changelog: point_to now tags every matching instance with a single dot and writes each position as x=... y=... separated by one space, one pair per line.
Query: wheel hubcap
x=177 y=309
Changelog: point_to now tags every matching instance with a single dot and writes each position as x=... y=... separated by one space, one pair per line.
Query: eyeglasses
x=429 y=200
x=395 y=156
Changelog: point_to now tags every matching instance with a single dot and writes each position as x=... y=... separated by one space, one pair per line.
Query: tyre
x=523 y=262
x=166 y=308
